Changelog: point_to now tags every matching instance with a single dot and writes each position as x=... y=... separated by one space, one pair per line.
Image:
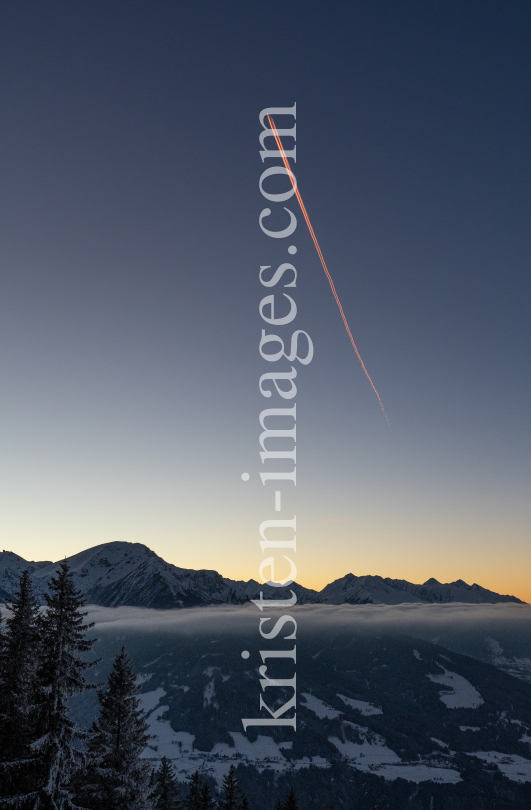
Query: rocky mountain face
x=119 y=573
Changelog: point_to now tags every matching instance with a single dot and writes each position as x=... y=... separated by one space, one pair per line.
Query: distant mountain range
x=377 y=590
x=114 y=574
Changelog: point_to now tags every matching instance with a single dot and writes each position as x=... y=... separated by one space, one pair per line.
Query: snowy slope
x=119 y=573
x=130 y=573
x=11 y=567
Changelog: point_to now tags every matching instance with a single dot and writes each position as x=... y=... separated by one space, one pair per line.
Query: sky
x=129 y=284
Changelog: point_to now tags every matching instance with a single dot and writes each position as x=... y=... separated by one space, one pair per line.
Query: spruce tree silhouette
x=231 y=794
x=166 y=791
x=207 y=801
x=199 y=794
x=290 y=802
x=193 y=800
x=116 y=778
x=61 y=674
x=19 y=694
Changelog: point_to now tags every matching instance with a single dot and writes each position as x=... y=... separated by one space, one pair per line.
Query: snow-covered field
x=461 y=694
x=514 y=767
x=365 y=708
x=371 y=755
x=263 y=753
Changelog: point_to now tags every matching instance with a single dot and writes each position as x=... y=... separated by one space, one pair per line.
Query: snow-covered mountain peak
x=108 y=560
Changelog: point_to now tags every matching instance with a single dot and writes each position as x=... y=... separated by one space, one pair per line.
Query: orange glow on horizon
x=321 y=257
x=316 y=580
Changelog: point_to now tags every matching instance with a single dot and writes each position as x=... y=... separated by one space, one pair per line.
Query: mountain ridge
x=375 y=589
x=121 y=573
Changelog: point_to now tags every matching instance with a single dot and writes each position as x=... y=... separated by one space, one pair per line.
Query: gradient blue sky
x=129 y=298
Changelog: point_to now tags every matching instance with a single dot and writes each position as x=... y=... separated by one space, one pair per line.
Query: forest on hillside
x=47 y=762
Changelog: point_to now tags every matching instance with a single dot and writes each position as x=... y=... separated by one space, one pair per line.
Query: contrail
x=319 y=253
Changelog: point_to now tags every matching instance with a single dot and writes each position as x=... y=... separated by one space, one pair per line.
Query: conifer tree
x=290 y=802
x=19 y=658
x=116 y=778
x=61 y=674
x=200 y=795
x=206 y=800
x=231 y=794
x=166 y=791
x=194 y=798
x=244 y=804
x=2 y=643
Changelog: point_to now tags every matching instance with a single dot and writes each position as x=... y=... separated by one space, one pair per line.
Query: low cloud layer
x=464 y=628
